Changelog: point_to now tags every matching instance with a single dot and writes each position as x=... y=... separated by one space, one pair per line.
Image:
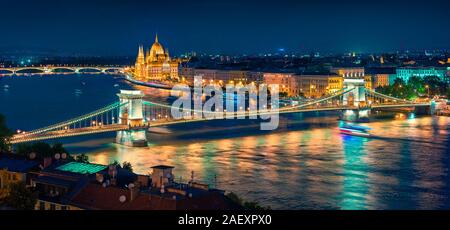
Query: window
x=52 y=207
x=63 y=207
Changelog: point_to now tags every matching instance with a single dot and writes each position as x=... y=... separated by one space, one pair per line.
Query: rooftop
x=17 y=165
x=97 y=197
x=380 y=70
x=162 y=167
x=82 y=168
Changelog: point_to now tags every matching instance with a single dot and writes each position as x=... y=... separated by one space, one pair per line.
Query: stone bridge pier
x=356 y=115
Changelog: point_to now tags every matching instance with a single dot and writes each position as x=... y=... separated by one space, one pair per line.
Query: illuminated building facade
x=318 y=85
x=221 y=77
x=156 y=64
x=406 y=73
x=14 y=170
x=348 y=72
x=286 y=82
x=290 y=84
x=380 y=80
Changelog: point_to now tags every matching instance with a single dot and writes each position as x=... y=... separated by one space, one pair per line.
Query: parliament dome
x=156 y=48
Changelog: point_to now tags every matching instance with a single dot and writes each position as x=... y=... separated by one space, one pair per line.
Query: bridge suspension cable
x=368 y=91
x=84 y=117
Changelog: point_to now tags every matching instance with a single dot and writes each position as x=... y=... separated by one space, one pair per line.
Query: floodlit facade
x=156 y=64
x=286 y=82
x=406 y=73
x=13 y=170
x=348 y=72
x=316 y=86
x=221 y=77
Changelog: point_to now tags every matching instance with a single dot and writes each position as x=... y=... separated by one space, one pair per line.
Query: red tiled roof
x=96 y=197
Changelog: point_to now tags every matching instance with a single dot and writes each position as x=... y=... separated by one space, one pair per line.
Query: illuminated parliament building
x=155 y=64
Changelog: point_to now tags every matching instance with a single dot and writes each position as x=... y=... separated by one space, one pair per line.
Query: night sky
x=113 y=27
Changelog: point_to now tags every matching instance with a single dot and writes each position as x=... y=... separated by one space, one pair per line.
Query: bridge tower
x=355 y=98
x=131 y=114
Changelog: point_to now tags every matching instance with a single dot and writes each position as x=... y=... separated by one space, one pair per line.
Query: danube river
x=305 y=164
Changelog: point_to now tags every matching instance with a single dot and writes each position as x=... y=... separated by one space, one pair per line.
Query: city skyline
x=117 y=28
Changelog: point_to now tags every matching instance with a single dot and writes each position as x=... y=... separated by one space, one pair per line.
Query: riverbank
x=129 y=78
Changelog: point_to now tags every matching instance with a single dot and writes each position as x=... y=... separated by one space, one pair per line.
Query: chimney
x=134 y=191
x=112 y=172
x=113 y=181
x=99 y=177
x=47 y=162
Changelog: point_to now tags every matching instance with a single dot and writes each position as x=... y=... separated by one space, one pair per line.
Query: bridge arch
x=63 y=70
x=29 y=70
x=111 y=70
x=6 y=71
x=89 y=70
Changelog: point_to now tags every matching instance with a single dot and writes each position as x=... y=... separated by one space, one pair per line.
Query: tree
x=24 y=149
x=418 y=84
x=127 y=166
x=254 y=206
x=58 y=148
x=234 y=197
x=283 y=94
x=5 y=134
x=436 y=85
x=82 y=158
x=41 y=149
x=20 y=197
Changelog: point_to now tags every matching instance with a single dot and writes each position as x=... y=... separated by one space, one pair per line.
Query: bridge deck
x=20 y=138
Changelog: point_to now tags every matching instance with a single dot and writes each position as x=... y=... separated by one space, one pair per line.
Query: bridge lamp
x=100 y=123
x=18 y=131
x=65 y=127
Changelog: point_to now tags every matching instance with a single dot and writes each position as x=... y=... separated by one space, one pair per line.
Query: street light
x=428 y=89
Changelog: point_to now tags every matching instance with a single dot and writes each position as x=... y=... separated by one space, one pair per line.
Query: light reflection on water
x=404 y=168
x=306 y=164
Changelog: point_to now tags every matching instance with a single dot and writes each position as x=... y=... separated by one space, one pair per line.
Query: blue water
x=305 y=164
